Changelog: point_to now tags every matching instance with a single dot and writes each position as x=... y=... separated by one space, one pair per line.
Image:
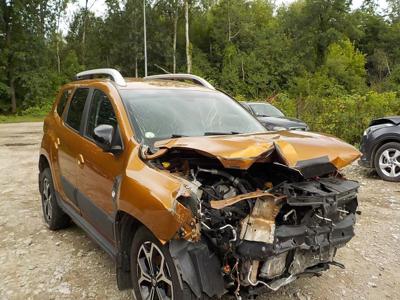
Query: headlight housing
x=376 y=127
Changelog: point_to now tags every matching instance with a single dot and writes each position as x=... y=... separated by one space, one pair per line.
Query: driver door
x=98 y=174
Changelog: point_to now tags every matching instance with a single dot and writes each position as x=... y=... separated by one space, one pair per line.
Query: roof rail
x=182 y=77
x=113 y=74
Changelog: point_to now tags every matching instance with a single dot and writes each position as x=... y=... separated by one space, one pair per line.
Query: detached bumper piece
x=317 y=219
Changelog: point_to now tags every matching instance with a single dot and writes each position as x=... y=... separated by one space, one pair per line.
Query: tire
x=387 y=162
x=53 y=215
x=163 y=285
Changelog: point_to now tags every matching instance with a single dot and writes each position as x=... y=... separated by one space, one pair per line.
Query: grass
x=21 y=118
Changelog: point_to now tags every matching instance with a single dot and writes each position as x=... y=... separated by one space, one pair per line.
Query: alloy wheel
x=389 y=162
x=154 y=277
x=47 y=198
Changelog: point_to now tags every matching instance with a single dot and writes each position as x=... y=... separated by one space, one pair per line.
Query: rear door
x=99 y=174
x=69 y=146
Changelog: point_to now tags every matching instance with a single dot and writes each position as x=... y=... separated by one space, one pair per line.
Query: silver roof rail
x=112 y=73
x=182 y=77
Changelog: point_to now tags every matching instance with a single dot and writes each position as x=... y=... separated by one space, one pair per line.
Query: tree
x=346 y=65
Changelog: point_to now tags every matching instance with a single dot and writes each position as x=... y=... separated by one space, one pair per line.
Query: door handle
x=57 y=143
x=81 y=161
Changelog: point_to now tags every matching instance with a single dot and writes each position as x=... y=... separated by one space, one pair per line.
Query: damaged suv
x=187 y=191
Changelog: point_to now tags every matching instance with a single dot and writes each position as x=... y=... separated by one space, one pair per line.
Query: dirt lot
x=36 y=263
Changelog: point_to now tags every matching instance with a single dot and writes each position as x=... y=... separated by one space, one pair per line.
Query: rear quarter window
x=62 y=102
x=76 y=106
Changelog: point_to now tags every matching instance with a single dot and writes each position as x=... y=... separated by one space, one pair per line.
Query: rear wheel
x=154 y=275
x=387 y=161
x=53 y=215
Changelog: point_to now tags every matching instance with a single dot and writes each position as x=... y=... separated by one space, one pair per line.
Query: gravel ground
x=36 y=263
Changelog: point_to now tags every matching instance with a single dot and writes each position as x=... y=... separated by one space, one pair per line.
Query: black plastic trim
x=96 y=215
x=87 y=227
x=69 y=189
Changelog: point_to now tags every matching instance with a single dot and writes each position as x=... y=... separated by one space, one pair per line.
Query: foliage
x=345 y=116
x=316 y=59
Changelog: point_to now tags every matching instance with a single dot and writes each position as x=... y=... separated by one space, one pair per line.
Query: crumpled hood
x=297 y=149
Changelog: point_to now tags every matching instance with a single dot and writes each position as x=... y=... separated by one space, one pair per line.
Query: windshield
x=162 y=114
x=266 y=110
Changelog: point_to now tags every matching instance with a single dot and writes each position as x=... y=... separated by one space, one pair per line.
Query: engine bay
x=266 y=225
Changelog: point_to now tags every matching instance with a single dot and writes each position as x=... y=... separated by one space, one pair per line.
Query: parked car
x=272 y=118
x=187 y=192
x=380 y=147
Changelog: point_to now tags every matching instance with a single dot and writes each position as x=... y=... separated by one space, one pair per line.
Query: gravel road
x=36 y=263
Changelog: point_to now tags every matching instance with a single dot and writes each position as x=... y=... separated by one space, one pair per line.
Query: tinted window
x=62 y=102
x=266 y=110
x=76 y=107
x=101 y=112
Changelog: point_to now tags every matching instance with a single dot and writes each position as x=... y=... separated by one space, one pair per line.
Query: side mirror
x=108 y=138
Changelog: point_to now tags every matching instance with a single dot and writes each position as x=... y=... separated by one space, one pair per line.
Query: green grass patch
x=21 y=118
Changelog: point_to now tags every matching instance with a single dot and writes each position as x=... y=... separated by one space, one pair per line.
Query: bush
x=344 y=116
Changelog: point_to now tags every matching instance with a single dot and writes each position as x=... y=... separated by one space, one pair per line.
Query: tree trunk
x=8 y=20
x=174 y=42
x=144 y=38
x=242 y=70
x=136 y=67
x=12 y=94
x=58 y=34
x=84 y=31
x=58 y=55
x=188 y=52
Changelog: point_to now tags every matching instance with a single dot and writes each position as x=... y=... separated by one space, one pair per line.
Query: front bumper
x=308 y=246
x=302 y=237
x=366 y=150
x=364 y=162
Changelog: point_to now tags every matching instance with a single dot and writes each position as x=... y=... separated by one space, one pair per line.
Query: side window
x=100 y=112
x=62 y=102
x=76 y=107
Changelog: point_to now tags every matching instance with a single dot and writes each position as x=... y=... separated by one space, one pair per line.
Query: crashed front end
x=265 y=211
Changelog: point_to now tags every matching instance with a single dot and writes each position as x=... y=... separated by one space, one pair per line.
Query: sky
x=99 y=6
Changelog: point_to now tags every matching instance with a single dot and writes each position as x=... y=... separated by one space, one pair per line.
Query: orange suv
x=188 y=193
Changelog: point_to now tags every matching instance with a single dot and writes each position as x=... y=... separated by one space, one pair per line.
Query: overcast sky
x=98 y=7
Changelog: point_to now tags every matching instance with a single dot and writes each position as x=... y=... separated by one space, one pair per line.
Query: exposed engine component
x=268 y=225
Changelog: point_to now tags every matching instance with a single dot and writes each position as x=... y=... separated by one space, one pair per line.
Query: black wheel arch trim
x=198 y=267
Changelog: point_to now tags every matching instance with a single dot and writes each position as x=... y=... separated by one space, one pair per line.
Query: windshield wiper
x=174 y=135
x=220 y=133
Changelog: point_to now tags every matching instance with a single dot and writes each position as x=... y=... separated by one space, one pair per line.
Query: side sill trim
x=87 y=227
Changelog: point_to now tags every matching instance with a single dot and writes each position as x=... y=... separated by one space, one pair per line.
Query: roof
x=141 y=84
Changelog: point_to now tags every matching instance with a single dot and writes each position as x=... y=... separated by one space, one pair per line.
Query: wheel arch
x=42 y=165
x=125 y=228
x=43 y=162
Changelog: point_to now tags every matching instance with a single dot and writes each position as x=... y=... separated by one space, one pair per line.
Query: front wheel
x=387 y=161
x=154 y=275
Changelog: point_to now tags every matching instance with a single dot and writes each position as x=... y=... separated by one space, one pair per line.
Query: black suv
x=380 y=147
x=272 y=118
